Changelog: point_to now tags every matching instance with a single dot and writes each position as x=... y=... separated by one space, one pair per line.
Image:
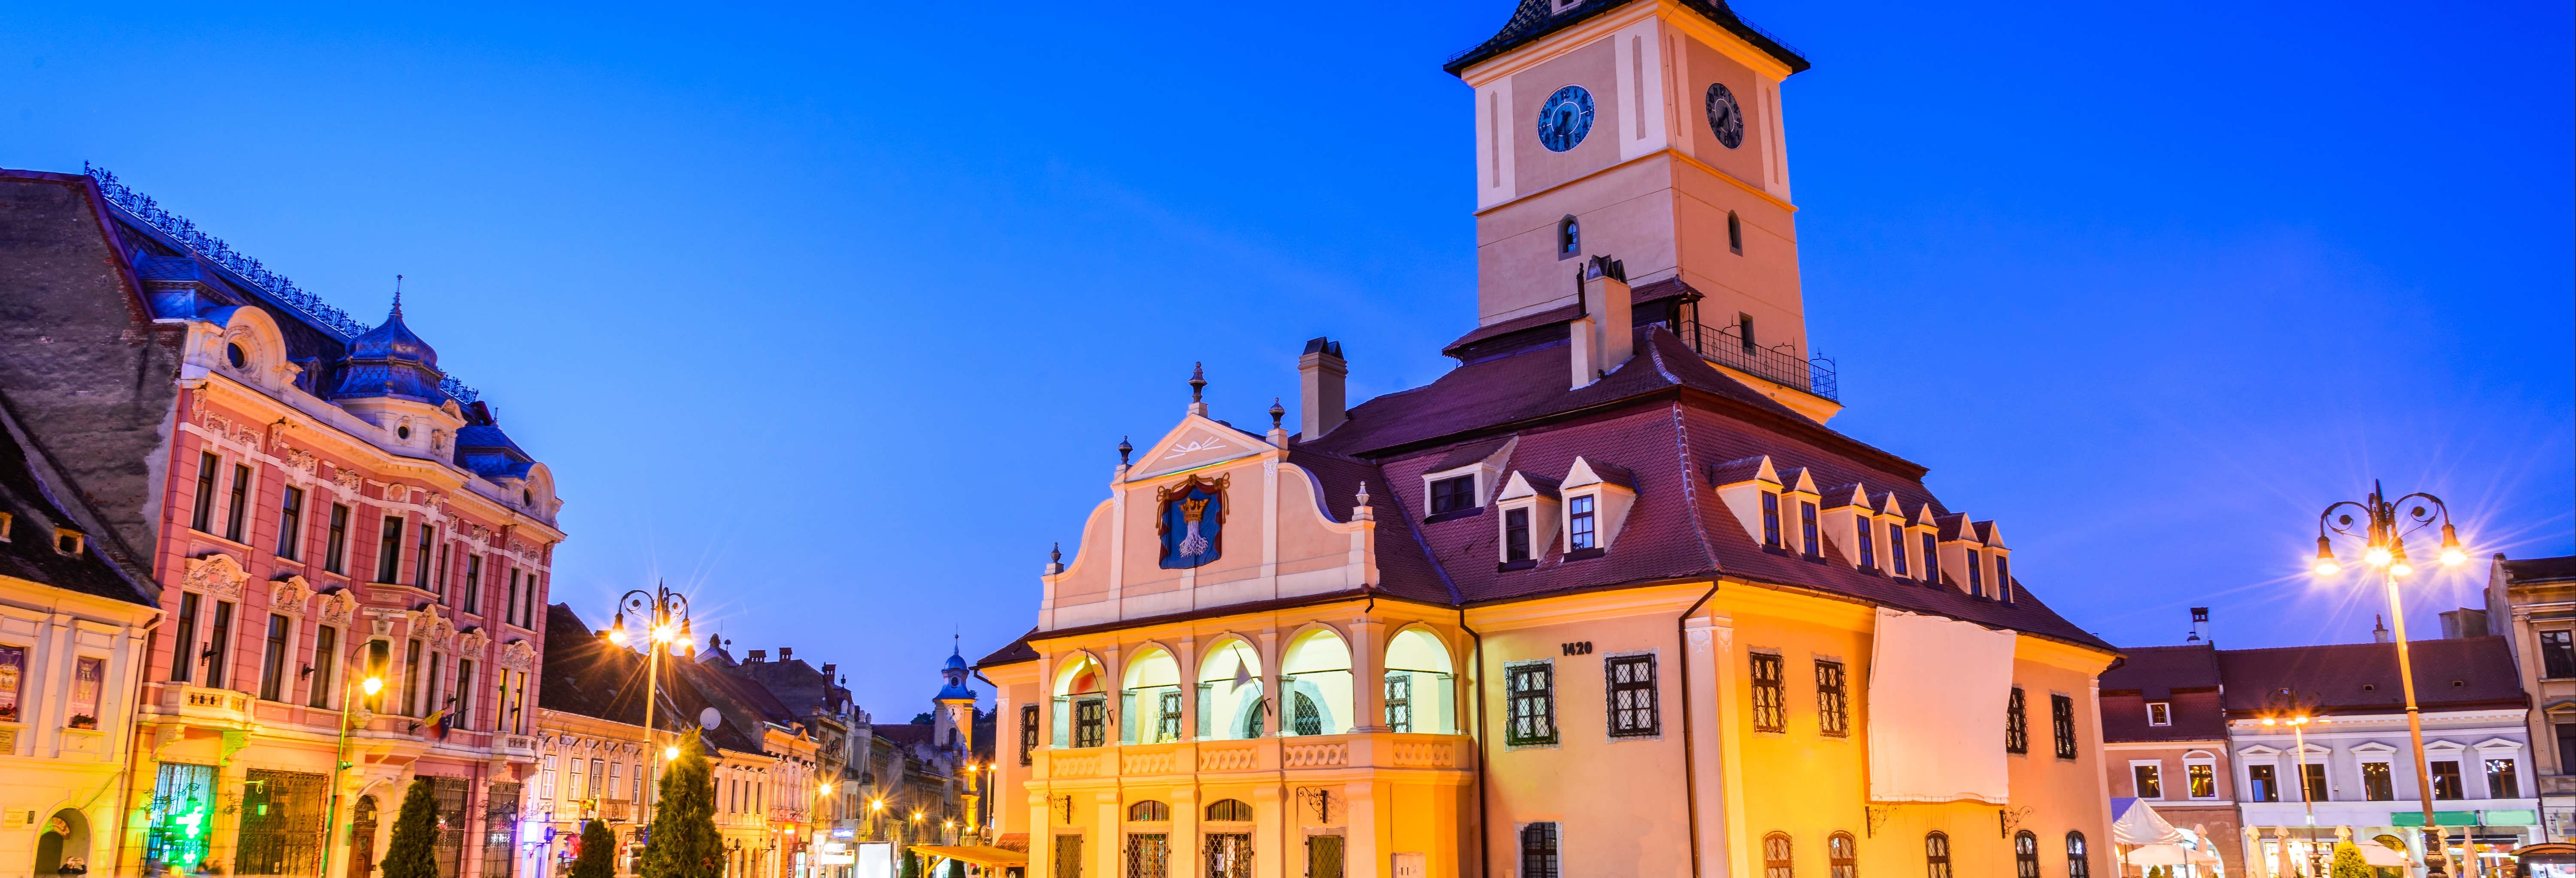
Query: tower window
x=1734 y=233
x=1744 y=331
x=1569 y=238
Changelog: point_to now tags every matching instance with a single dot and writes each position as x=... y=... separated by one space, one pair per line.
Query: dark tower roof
x=391 y=360
x=1535 y=19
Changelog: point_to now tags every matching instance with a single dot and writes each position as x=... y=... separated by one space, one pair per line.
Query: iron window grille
x=2025 y=854
x=1453 y=494
x=1776 y=862
x=1631 y=685
x=1532 y=702
x=1399 y=702
x=1833 y=700
x=281 y=830
x=1842 y=856
x=1167 y=717
x=1579 y=533
x=183 y=799
x=1516 y=535
x=2061 y=713
x=1770 y=707
x=1028 y=731
x=1305 y=717
x=1068 y=856
x=451 y=793
x=2017 y=723
x=1539 y=851
x=1936 y=855
x=1149 y=855
x=1324 y=856
x=1770 y=519
x=1229 y=854
x=1090 y=722
x=2078 y=865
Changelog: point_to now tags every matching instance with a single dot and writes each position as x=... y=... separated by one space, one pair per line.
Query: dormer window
x=1770 y=520
x=1579 y=523
x=1976 y=573
x=1453 y=494
x=1815 y=547
x=1932 y=558
x=1569 y=238
x=5 y=520
x=1896 y=547
x=67 y=541
x=1868 y=546
x=2159 y=713
x=1516 y=535
x=2003 y=579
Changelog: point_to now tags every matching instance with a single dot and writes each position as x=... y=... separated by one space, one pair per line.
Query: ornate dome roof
x=390 y=361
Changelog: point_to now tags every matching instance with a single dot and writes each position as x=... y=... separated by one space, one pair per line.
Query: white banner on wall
x=1938 y=689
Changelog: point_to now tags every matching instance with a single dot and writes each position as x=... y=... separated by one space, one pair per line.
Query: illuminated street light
x=2382 y=527
x=373 y=685
x=658 y=609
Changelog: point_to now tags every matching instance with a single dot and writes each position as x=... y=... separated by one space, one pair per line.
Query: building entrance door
x=362 y=839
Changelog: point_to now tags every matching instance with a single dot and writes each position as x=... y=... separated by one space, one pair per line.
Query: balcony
x=1778 y=364
x=1374 y=750
x=210 y=706
x=519 y=748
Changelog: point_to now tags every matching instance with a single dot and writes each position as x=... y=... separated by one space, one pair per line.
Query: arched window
x=1421 y=691
x=1936 y=855
x=2078 y=865
x=2025 y=854
x=1255 y=723
x=1229 y=684
x=1149 y=811
x=1775 y=855
x=1309 y=721
x=1842 y=856
x=1316 y=669
x=1229 y=810
x=1149 y=707
x=1734 y=233
x=1569 y=238
x=1081 y=705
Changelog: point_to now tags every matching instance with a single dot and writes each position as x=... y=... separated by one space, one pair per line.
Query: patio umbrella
x=2159 y=855
x=2134 y=822
x=2378 y=854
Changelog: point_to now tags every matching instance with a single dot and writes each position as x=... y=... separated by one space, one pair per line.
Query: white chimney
x=1321 y=403
x=1607 y=282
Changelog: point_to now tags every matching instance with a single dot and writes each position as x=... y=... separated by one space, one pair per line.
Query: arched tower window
x=1569 y=238
x=1842 y=856
x=1734 y=233
x=1229 y=810
x=1149 y=811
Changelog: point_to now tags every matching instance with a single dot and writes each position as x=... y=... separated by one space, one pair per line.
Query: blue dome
x=956 y=662
x=390 y=361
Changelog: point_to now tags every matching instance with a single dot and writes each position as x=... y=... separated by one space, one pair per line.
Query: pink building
x=318 y=505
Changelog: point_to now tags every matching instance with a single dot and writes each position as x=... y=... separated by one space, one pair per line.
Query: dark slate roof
x=588 y=677
x=2155 y=670
x=1017 y=651
x=483 y=448
x=2452 y=674
x=1534 y=19
x=2541 y=569
x=904 y=734
x=390 y=361
x=1549 y=325
x=27 y=495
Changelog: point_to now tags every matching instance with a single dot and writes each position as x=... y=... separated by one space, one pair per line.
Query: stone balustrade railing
x=1298 y=753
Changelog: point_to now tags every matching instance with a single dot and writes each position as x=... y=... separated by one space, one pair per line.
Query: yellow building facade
x=1608 y=598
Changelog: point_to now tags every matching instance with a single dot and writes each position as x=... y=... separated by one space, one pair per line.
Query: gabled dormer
x=1856 y=536
x=1750 y=488
x=1463 y=483
x=1895 y=552
x=1597 y=498
x=1799 y=502
x=1963 y=555
x=1530 y=508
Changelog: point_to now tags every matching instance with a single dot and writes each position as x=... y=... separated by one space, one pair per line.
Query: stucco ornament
x=517 y=655
x=216 y=574
x=472 y=641
x=397 y=493
x=302 y=461
x=347 y=479
x=338 y=606
x=290 y=595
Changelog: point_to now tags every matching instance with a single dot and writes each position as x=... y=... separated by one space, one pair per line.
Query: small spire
x=1198 y=380
x=398 y=296
x=1276 y=413
x=1124 y=449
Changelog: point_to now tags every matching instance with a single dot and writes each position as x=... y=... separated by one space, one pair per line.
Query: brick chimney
x=757 y=655
x=786 y=652
x=1322 y=404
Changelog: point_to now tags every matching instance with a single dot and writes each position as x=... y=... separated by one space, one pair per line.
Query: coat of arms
x=1191 y=522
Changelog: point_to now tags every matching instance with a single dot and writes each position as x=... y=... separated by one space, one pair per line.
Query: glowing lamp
x=2452 y=554
x=661 y=634
x=827 y=789
x=2268 y=721
x=2378 y=556
x=2397 y=565
x=2326 y=565
x=373 y=685
x=617 y=636
x=670 y=752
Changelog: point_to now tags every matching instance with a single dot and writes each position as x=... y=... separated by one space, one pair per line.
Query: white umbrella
x=2378 y=854
x=2159 y=855
x=2134 y=822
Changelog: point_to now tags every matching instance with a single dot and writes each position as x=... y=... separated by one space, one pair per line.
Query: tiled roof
x=2451 y=674
x=2541 y=569
x=1535 y=19
x=594 y=679
x=30 y=552
x=2151 y=670
x=1553 y=318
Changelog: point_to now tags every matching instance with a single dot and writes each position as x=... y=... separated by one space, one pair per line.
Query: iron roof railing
x=1779 y=364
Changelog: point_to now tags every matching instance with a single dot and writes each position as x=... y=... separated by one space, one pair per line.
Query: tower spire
x=398 y=295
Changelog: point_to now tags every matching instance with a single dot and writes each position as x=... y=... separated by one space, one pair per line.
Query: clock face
x=1725 y=119
x=1565 y=118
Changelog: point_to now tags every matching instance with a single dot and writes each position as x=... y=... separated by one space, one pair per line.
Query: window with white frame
x=2200 y=775
x=2159 y=713
x=2148 y=779
x=1580 y=523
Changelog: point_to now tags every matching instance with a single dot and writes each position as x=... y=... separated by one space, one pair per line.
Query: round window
x=234 y=354
x=403 y=432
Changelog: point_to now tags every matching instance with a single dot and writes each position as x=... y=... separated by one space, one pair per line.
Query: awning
x=2133 y=822
x=2523 y=817
x=981 y=855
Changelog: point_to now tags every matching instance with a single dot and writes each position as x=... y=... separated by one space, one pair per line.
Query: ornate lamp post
x=373 y=683
x=2287 y=708
x=666 y=621
x=2382 y=527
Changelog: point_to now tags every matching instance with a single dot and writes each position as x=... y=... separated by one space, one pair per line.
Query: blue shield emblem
x=1191 y=523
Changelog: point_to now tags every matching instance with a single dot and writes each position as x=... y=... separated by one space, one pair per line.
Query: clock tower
x=1648 y=131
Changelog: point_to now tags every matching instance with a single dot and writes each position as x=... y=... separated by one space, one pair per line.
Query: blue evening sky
x=834 y=315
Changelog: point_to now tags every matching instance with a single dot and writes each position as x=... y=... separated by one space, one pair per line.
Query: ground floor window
x=1149 y=855
x=450 y=793
x=2026 y=854
x=1229 y=855
x=2078 y=864
x=1538 y=851
x=1323 y=856
x=1068 y=856
x=180 y=813
x=281 y=823
x=500 y=829
x=1936 y=855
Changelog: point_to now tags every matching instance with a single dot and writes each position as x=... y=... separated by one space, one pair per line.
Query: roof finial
x=1363 y=498
x=397 y=295
x=1056 y=554
x=1124 y=449
x=1276 y=413
x=1198 y=380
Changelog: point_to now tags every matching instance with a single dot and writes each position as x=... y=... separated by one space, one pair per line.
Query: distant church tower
x=953 y=725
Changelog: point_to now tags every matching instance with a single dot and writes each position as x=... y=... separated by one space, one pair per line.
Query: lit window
x=2262 y=783
x=2159 y=713
x=1770 y=704
x=2502 y=782
x=2446 y=779
x=2376 y=785
x=2150 y=780
x=1579 y=526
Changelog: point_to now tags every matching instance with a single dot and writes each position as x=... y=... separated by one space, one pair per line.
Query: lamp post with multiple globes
x=2381 y=527
x=665 y=614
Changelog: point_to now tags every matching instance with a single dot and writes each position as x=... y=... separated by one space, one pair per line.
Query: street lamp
x=2382 y=528
x=340 y=762
x=2288 y=708
x=665 y=614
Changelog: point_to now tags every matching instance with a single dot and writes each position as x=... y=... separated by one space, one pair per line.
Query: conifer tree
x=2349 y=864
x=684 y=843
x=598 y=852
x=413 y=852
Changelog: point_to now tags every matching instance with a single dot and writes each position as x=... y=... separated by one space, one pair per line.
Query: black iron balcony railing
x=1779 y=364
